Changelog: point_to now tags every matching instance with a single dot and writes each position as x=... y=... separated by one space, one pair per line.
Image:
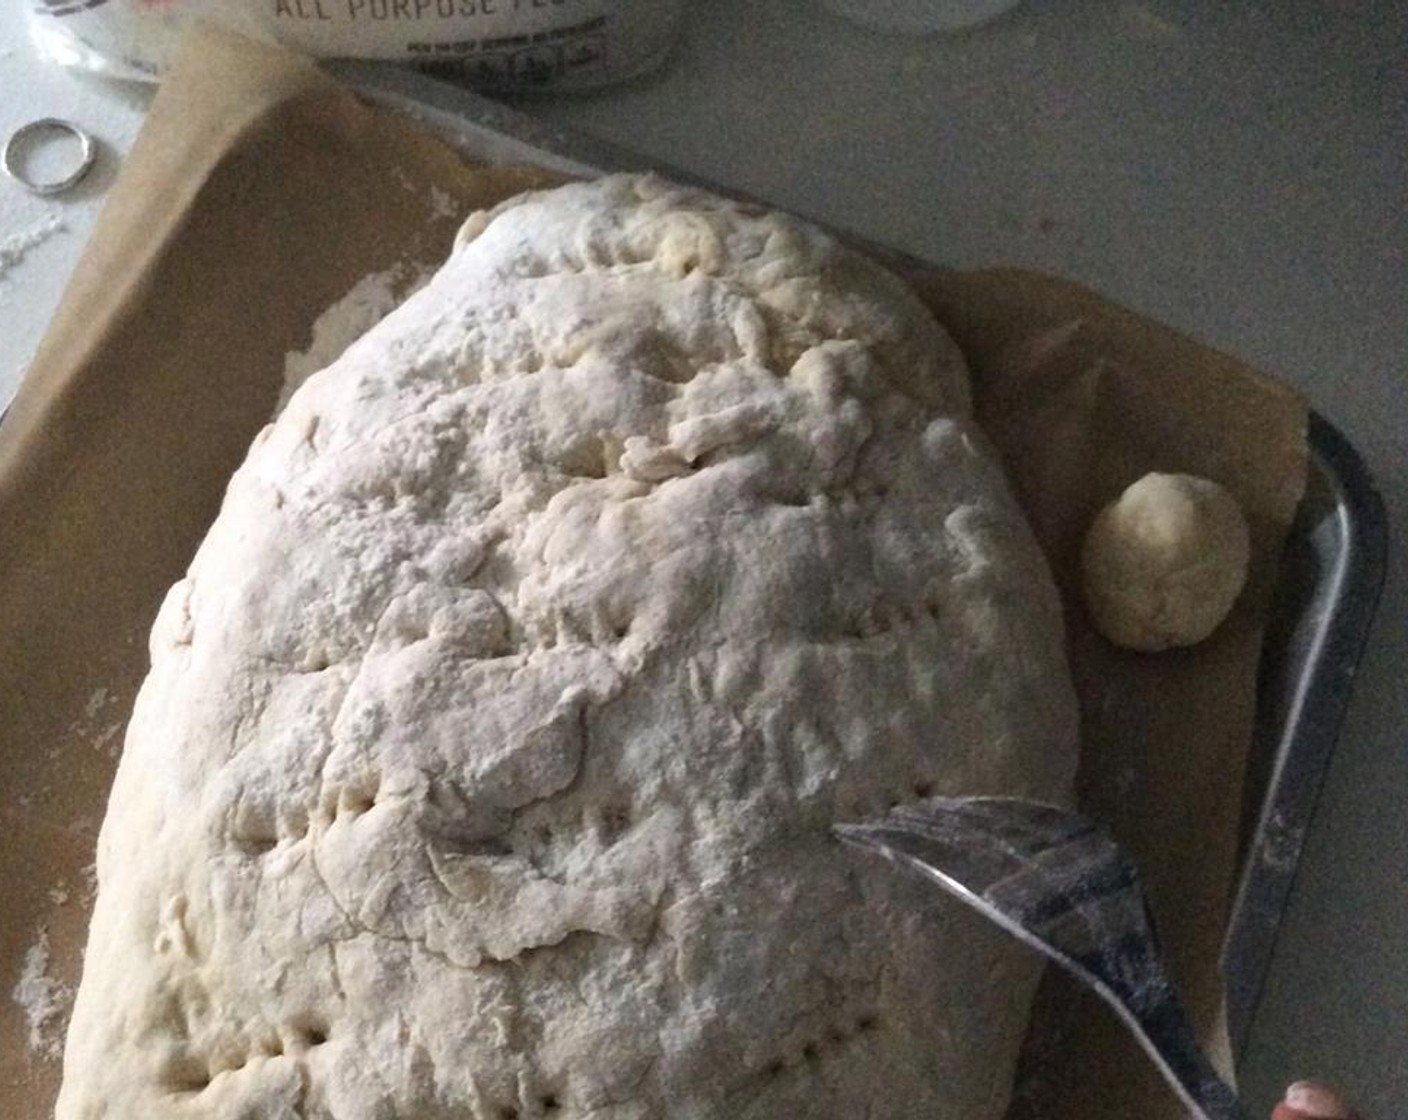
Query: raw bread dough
x=490 y=745
x=1164 y=563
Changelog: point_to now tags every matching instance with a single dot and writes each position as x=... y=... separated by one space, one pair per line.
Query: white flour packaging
x=501 y=44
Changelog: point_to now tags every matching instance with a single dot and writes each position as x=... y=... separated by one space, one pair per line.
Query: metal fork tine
x=1060 y=883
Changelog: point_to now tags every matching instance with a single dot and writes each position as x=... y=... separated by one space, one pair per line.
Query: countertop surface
x=1237 y=171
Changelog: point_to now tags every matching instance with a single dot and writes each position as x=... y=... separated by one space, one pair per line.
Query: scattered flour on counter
x=442 y=203
x=109 y=740
x=45 y=1001
x=371 y=299
x=103 y=734
x=99 y=700
x=90 y=882
x=17 y=246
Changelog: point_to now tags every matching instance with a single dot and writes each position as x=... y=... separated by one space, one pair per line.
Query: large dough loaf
x=490 y=745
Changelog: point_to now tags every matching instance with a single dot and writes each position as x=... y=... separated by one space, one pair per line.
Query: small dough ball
x=1163 y=565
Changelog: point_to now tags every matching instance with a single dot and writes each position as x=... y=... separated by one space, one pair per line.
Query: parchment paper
x=257 y=194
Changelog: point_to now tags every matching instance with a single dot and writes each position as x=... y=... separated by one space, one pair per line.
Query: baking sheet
x=258 y=193
x=1328 y=585
x=1331 y=573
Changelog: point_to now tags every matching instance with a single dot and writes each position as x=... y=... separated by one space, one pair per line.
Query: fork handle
x=1164 y=1031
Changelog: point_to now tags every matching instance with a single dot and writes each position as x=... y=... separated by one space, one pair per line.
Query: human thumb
x=1311 y=1100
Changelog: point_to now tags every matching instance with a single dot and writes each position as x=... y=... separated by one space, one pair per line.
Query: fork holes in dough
x=188 y=1081
x=359 y=799
x=307 y=1034
x=255 y=845
x=615 y=820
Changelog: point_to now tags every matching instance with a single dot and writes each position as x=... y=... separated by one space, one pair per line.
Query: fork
x=1058 y=882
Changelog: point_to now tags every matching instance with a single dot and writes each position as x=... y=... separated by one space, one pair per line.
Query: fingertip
x=1311 y=1100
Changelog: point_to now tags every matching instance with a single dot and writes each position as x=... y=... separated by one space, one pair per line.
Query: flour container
x=506 y=45
x=918 y=17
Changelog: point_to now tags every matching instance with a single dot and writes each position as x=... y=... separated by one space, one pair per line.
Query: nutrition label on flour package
x=559 y=44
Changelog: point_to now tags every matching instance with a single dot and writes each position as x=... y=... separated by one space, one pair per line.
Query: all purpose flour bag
x=503 y=44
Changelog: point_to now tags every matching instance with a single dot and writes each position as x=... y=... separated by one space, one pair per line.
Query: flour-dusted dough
x=1163 y=565
x=489 y=750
